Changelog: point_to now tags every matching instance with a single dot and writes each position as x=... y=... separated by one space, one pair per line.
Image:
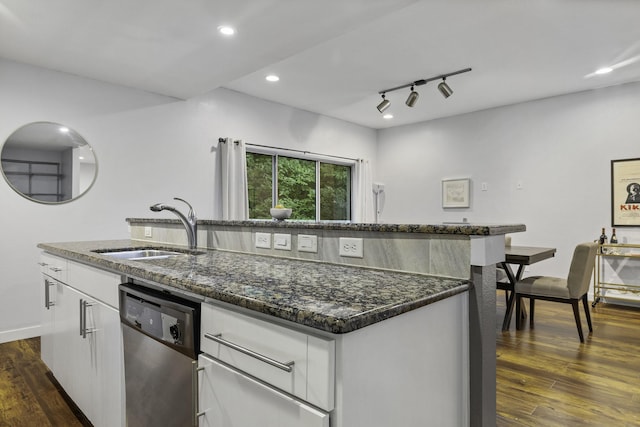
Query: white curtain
x=233 y=165
x=364 y=209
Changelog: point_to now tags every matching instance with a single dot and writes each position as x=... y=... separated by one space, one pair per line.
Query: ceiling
x=334 y=56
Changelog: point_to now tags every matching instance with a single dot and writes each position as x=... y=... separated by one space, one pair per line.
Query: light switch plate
x=263 y=240
x=307 y=243
x=282 y=242
x=351 y=247
x=148 y=232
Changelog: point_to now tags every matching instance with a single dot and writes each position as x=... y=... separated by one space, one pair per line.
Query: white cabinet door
x=48 y=318
x=107 y=358
x=89 y=367
x=228 y=398
x=72 y=354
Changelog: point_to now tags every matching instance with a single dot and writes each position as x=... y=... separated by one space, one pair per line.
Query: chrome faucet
x=189 y=221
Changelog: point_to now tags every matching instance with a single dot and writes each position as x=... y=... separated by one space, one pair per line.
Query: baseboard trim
x=19 y=334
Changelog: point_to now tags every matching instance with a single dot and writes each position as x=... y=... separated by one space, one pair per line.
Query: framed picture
x=455 y=193
x=625 y=193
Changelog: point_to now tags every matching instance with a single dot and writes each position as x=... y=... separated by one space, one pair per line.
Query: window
x=313 y=189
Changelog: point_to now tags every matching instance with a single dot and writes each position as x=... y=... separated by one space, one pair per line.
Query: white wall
x=149 y=148
x=559 y=148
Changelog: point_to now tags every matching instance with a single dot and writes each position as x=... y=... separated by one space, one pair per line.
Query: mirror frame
x=66 y=139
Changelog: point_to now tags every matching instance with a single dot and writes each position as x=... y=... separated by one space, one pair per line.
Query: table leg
x=513 y=279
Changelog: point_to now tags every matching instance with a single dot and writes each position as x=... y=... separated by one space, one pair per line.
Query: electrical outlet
x=148 y=232
x=307 y=243
x=282 y=242
x=351 y=247
x=263 y=240
x=484 y=186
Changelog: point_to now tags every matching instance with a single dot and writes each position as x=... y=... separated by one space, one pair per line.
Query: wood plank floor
x=28 y=398
x=546 y=377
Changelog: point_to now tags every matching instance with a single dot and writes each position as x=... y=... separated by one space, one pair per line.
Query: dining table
x=520 y=256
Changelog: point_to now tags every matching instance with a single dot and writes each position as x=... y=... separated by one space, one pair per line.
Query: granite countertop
x=459 y=228
x=328 y=297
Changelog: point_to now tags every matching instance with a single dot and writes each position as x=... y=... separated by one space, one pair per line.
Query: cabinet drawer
x=99 y=284
x=293 y=361
x=53 y=266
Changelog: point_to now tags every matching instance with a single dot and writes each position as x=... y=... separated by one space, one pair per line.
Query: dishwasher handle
x=285 y=366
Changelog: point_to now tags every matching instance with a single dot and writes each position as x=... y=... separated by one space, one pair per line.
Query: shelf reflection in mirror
x=48 y=163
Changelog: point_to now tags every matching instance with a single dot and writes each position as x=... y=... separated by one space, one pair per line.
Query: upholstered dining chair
x=570 y=290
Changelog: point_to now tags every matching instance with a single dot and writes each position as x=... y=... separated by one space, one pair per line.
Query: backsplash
x=441 y=250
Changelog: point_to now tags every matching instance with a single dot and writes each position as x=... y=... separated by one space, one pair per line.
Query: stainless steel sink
x=140 y=254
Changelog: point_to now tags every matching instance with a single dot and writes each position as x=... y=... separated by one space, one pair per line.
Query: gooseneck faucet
x=189 y=221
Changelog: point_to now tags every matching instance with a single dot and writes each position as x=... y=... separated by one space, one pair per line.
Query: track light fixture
x=384 y=104
x=413 y=98
x=443 y=87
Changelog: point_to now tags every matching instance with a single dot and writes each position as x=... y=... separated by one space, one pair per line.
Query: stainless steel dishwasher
x=161 y=334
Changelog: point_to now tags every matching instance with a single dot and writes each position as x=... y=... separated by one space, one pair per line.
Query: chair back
x=584 y=258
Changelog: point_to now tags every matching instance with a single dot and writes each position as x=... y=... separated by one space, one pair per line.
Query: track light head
x=383 y=105
x=444 y=88
x=413 y=98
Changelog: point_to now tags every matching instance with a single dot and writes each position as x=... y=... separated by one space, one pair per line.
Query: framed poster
x=625 y=193
x=455 y=193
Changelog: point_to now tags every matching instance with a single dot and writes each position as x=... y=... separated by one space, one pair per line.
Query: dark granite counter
x=466 y=229
x=329 y=297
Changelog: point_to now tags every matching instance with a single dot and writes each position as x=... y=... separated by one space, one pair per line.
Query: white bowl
x=280 y=214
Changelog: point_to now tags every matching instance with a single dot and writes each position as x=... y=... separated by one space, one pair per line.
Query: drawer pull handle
x=286 y=366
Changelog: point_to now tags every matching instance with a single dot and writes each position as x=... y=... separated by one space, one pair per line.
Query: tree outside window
x=314 y=190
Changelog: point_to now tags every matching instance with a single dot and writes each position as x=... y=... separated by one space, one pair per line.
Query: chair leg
x=585 y=302
x=532 y=307
x=518 y=306
x=576 y=314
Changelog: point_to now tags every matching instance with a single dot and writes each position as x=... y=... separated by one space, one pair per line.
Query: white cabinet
x=47 y=321
x=298 y=363
x=53 y=269
x=82 y=342
x=230 y=398
x=72 y=358
x=257 y=372
x=109 y=366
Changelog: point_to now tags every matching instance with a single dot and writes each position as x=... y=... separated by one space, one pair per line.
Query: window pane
x=335 y=192
x=297 y=187
x=260 y=185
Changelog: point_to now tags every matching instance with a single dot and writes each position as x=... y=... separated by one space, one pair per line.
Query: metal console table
x=617 y=273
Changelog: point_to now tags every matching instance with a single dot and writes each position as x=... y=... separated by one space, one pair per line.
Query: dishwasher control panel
x=164 y=317
x=149 y=317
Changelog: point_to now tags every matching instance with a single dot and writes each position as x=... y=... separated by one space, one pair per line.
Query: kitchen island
x=327 y=297
x=405 y=342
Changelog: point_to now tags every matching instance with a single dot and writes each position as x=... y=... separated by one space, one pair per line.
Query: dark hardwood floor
x=28 y=397
x=545 y=377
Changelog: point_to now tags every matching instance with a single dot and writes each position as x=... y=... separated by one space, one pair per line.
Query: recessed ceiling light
x=388 y=116
x=226 y=30
x=272 y=78
x=604 y=70
x=64 y=129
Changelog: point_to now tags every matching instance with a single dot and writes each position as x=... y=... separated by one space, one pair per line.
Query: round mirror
x=48 y=163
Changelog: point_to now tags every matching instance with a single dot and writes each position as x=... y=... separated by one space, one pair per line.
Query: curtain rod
x=293 y=150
